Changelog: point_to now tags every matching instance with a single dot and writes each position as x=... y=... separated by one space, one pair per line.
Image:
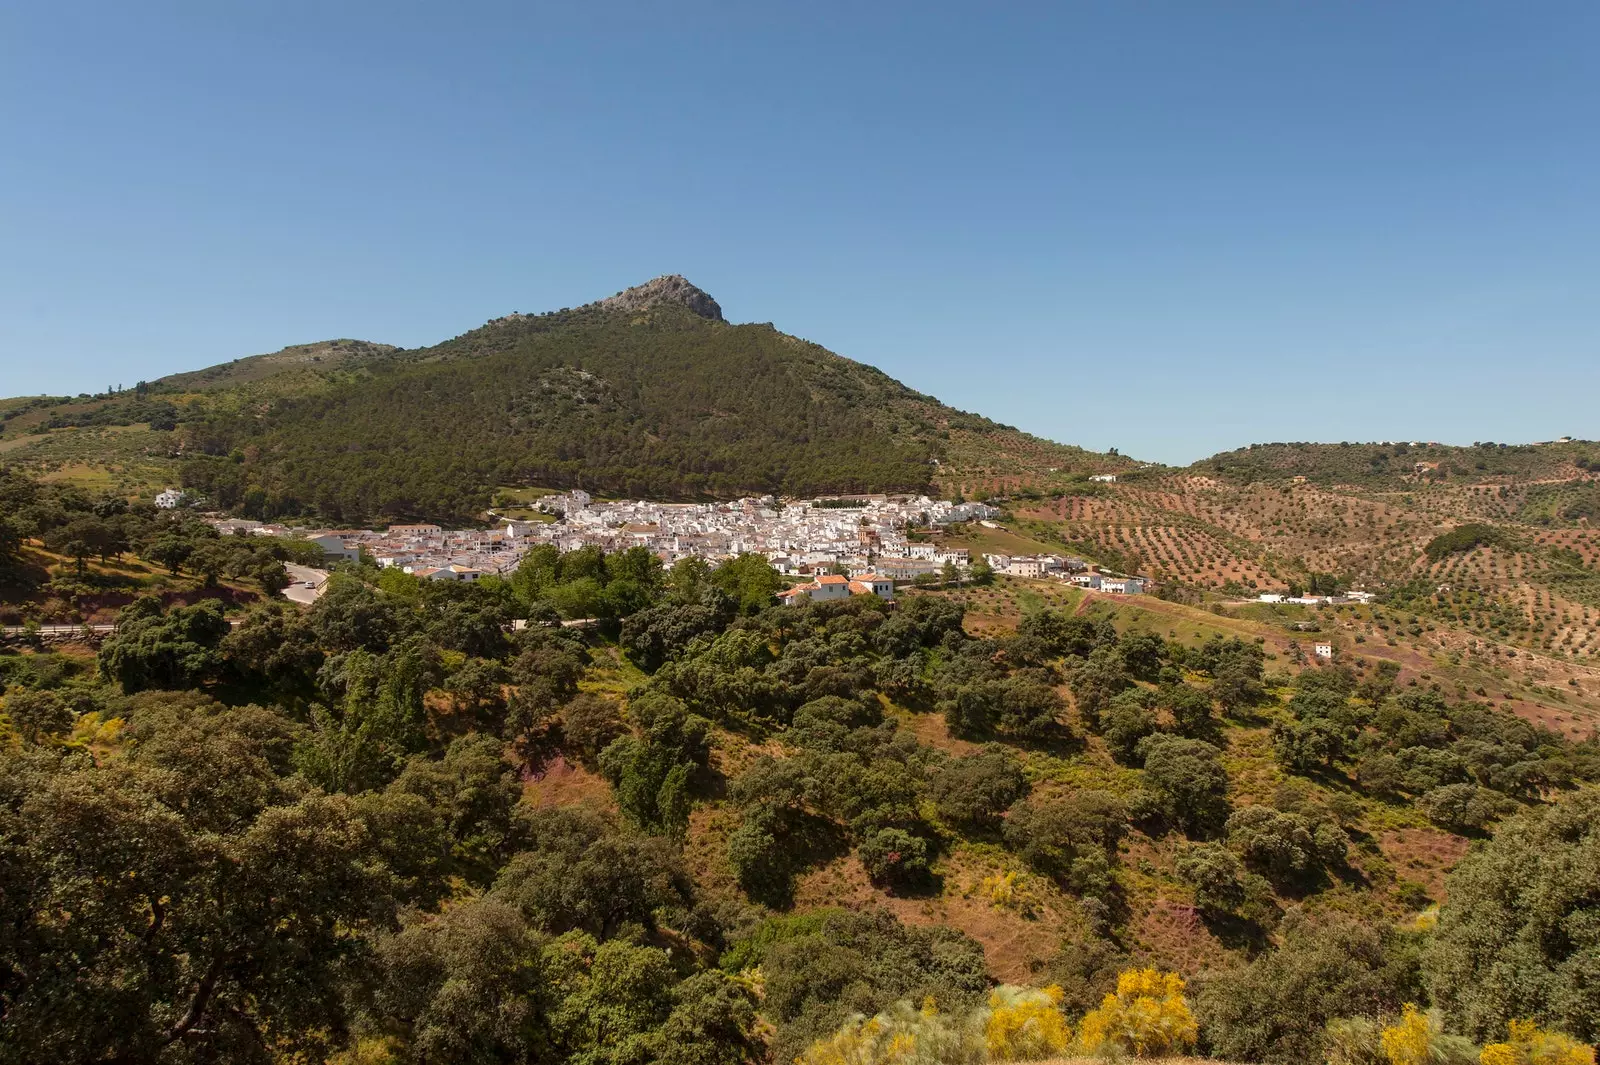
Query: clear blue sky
x=1167 y=227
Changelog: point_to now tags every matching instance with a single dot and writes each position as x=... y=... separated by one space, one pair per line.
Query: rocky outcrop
x=672 y=288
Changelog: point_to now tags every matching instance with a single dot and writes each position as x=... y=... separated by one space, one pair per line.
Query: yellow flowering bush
x=1419 y=1038
x=1409 y=1040
x=1025 y=1024
x=999 y=889
x=1528 y=1045
x=1148 y=1016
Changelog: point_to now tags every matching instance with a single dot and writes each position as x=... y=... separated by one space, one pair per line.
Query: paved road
x=298 y=578
x=57 y=630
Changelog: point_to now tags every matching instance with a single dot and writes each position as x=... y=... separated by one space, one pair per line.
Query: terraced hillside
x=1527 y=576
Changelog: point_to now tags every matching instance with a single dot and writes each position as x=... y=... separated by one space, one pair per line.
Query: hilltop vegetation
x=1386 y=463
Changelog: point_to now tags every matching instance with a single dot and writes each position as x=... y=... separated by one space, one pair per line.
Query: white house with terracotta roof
x=831 y=586
x=872 y=584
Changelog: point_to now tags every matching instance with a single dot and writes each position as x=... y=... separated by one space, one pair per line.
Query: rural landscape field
x=996 y=818
x=832 y=534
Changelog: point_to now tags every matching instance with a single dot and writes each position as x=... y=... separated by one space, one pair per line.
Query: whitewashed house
x=336 y=548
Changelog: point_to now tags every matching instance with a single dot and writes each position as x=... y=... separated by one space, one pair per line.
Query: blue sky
x=1166 y=227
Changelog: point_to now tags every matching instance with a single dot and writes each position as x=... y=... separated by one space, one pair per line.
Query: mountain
x=650 y=392
x=808 y=811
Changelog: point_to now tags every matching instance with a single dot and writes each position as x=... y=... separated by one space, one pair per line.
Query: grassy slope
x=56 y=593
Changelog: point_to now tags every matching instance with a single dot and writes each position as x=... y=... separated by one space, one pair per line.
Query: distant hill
x=1389 y=462
x=316 y=358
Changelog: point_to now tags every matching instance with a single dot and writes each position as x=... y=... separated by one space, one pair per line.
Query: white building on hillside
x=335 y=548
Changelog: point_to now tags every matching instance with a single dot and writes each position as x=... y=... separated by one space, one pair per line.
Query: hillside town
x=833 y=547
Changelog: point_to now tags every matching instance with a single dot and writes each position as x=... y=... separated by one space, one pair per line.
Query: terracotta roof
x=832 y=578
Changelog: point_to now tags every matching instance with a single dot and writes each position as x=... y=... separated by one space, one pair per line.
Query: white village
x=833 y=548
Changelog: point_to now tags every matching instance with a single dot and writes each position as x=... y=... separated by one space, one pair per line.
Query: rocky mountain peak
x=671 y=288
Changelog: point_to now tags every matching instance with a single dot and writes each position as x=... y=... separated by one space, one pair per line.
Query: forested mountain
x=650 y=392
x=647 y=393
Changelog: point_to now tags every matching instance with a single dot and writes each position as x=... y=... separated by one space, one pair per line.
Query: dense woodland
x=303 y=837
x=669 y=407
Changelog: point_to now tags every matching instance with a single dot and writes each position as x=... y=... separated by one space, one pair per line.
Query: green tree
x=1126 y=720
x=1069 y=837
x=750 y=580
x=1276 y=1008
x=1515 y=938
x=182 y=904
x=1285 y=846
x=274 y=645
x=473 y=789
x=975 y=790
x=1216 y=874
x=1097 y=681
x=468 y=984
x=580 y=873
x=152 y=648
x=1187 y=781
x=895 y=857
x=654 y=773
x=170 y=551
x=37 y=715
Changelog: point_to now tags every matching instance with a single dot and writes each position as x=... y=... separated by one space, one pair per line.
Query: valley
x=688 y=671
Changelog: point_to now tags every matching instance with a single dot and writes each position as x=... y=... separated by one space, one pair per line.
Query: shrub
x=977 y=789
x=894 y=857
x=1353 y=1041
x=1528 y=1045
x=1025 y=1024
x=1418 y=1038
x=1147 y=1016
